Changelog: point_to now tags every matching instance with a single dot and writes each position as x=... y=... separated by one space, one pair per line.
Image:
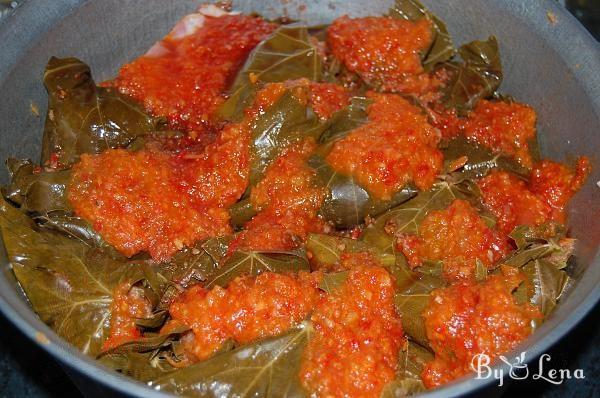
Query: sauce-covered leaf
x=287 y=121
x=412 y=360
x=442 y=49
x=347 y=203
x=333 y=281
x=254 y=263
x=478 y=75
x=346 y=120
x=285 y=55
x=68 y=283
x=479 y=160
x=85 y=118
x=407 y=217
x=411 y=303
x=267 y=368
x=326 y=250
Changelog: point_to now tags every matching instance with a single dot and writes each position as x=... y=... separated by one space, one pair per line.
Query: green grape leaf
x=68 y=283
x=333 y=281
x=411 y=303
x=442 y=48
x=254 y=263
x=478 y=76
x=267 y=368
x=85 y=118
x=285 y=55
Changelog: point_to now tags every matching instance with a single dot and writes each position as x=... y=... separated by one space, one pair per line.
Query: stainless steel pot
x=550 y=62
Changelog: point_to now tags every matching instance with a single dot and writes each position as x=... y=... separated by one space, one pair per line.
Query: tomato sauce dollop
x=328 y=98
x=504 y=128
x=385 y=52
x=508 y=198
x=249 y=308
x=185 y=80
x=358 y=337
x=556 y=183
x=396 y=146
x=287 y=200
x=459 y=238
x=129 y=304
x=467 y=319
x=515 y=202
x=159 y=202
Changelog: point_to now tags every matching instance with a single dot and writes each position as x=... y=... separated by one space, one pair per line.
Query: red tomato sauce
x=396 y=146
x=466 y=319
x=556 y=184
x=159 y=202
x=509 y=199
x=185 y=81
x=503 y=127
x=358 y=337
x=248 y=309
x=328 y=98
x=385 y=52
x=459 y=238
x=128 y=304
x=288 y=200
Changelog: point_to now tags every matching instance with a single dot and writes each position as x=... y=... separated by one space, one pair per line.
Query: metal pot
x=550 y=62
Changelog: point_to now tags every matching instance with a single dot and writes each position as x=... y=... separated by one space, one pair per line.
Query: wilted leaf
x=241 y=212
x=480 y=160
x=527 y=235
x=69 y=284
x=145 y=366
x=442 y=48
x=73 y=226
x=287 y=121
x=196 y=264
x=35 y=190
x=149 y=343
x=347 y=203
x=285 y=55
x=481 y=271
x=412 y=360
x=411 y=303
x=346 y=120
x=544 y=241
x=267 y=368
x=85 y=118
x=254 y=263
x=326 y=250
x=217 y=247
x=478 y=76
x=547 y=284
x=333 y=281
